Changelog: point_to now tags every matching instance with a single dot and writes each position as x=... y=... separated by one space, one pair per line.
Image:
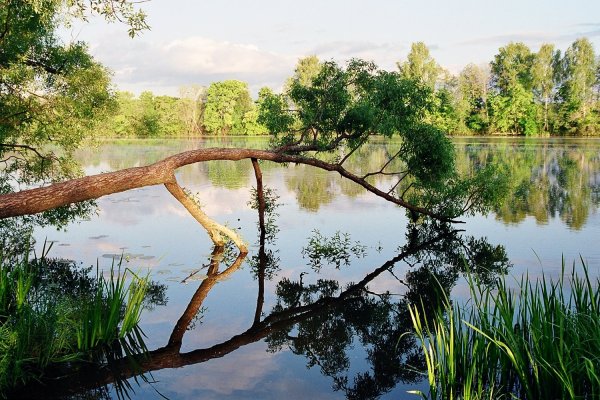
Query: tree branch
x=343 y=160
x=26 y=147
x=213 y=228
x=49 y=69
x=384 y=167
x=162 y=172
x=405 y=190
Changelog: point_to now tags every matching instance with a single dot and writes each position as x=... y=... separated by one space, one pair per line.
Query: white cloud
x=533 y=38
x=244 y=372
x=165 y=66
x=385 y=55
x=214 y=57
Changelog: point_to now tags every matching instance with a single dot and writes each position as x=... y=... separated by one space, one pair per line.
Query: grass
x=540 y=341
x=50 y=315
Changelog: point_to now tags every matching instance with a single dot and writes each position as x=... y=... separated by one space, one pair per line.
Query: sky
x=259 y=42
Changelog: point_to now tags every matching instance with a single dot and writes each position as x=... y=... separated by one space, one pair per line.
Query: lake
x=258 y=329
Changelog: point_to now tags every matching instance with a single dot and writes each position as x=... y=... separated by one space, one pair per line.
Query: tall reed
x=538 y=341
x=43 y=323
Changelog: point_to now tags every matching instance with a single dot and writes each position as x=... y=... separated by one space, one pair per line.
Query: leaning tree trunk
x=33 y=201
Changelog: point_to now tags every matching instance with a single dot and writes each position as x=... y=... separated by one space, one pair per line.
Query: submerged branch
x=33 y=201
x=193 y=307
x=213 y=228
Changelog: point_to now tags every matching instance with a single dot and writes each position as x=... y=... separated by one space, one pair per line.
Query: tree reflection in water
x=321 y=321
x=380 y=322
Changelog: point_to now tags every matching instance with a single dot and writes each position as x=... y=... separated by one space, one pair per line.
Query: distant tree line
x=224 y=108
x=519 y=92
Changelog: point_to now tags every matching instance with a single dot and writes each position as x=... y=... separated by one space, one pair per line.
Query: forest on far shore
x=519 y=92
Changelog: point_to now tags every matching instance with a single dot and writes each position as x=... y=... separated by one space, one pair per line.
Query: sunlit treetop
x=341 y=108
x=51 y=92
x=124 y=11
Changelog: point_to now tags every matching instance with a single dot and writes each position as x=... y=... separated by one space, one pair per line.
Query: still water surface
x=551 y=214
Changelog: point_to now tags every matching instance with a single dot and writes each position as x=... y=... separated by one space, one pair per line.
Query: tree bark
x=37 y=200
x=213 y=228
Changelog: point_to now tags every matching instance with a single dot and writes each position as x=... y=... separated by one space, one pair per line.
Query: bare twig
x=29 y=148
x=406 y=190
x=353 y=150
x=385 y=166
x=394 y=187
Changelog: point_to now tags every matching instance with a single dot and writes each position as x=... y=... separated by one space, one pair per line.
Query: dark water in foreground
x=293 y=347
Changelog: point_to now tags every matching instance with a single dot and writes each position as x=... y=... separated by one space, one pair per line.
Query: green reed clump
x=538 y=341
x=50 y=314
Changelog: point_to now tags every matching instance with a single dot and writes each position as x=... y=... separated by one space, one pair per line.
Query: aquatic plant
x=336 y=250
x=44 y=324
x=540 y=340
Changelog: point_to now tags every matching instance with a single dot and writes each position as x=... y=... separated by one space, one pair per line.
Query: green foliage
x=478 y=193
x=51 y=312
x=336 y=250
x=515 y=112
x=543 y=73
x=273 y=112
x=420 y=66
x=444 y=115
x=306 y=69
x=511 y=67
x=344 y=105
x=112 y=11
x=225 y=108
x=148 y=116
x=576 y=91
x=525 y=93
x=250 y=124
x=229 y=109
x=512 y=106
x=51 y=93
x=191 y=108
x=541 y=343
x=430 y=155
x=472 y=94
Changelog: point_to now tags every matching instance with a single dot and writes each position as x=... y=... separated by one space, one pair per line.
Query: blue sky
x=198 y=41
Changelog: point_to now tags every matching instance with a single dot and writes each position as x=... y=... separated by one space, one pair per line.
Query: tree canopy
x=421 y=66
x=519 y=92
x=51 y=92
x=56 y=93
x=230 y=109
x=344 y=107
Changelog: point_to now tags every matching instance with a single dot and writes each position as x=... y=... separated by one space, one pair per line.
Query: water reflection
x=319 y=319
x=380 y=322
x=346 y=331
x=548 y=177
